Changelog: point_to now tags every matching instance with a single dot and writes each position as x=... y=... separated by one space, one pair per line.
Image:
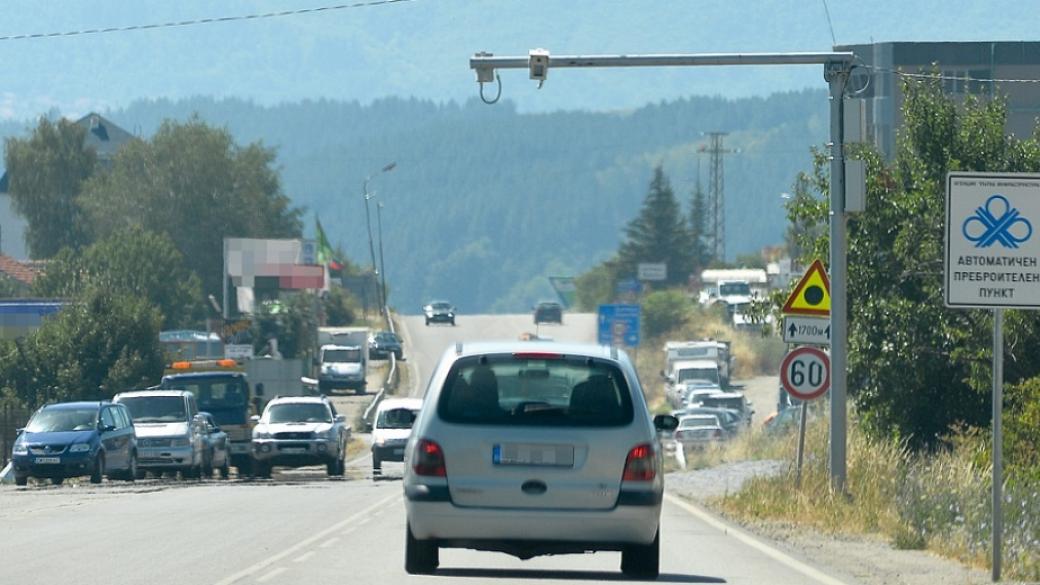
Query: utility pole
x=382 y=267
x=837 y=67
x=716 y=195
x=368 y=223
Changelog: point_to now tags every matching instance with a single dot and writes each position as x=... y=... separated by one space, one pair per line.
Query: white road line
x=755 y=543
x=272 y=574
x=303 y=544
x=304 y=556
x=348 y=530
x=329 y=542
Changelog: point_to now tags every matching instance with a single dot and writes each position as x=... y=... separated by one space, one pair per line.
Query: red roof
x=19 y=271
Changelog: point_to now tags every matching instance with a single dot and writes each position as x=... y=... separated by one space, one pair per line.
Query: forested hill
x=485 y=202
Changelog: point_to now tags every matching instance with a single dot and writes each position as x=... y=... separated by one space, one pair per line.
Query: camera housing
x=538 y=64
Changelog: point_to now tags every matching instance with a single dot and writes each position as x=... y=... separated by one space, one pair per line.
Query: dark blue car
x=77 y=438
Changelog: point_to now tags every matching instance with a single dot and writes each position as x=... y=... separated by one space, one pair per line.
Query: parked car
x=383 y=343
x=216 y=449
x=296 y=431
x=169 y=431
x=533 y=448
x=698 y=430
x=73 y=439
x=439 y=312
x=390 y=431
x=548 y=312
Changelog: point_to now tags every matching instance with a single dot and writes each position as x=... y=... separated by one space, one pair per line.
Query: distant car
x=548 y=312
x=439 y=312
x=169 y=430
x=72 y=439
x=533 y=448
x=383 y=343
x=697 y=396
x=298 y=431
x=216 y=449
x=698 y=430
x=732 y=400
x=731 y=420
x=391 y=430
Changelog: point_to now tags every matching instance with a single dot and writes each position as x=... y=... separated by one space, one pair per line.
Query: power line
x=945 y=76
x=830 y=25
x=197 y=21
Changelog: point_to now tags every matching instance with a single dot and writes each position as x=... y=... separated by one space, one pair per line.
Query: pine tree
x=659 y=234
x=698 y=229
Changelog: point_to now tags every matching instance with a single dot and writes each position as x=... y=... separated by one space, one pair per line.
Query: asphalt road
x=309 y=529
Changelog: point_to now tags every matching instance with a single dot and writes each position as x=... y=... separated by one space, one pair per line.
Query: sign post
x=805 y=374
x=993 y=262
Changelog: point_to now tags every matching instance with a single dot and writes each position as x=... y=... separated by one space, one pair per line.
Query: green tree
x=131 y=261
x=193 y=183
x=341 y=308
x=699 y=230
x=90 y=350
x=11 y=288
x=658 y=234
x=46 y=173
x=664 y=311
x=916 y=367
x=596 y=286
x=291 y=320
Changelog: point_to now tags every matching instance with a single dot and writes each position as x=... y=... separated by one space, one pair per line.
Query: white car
x=533 y=448
x=391 y=428
x=296 y=431
x=697 y=430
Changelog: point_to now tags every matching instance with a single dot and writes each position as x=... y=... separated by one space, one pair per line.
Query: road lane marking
x=755 y=543
x=303 y=544
x=304 y=556
x=329 y=542
x=272 y=574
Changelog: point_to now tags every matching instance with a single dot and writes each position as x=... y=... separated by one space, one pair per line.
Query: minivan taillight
x=641 y=464
x=429 y=459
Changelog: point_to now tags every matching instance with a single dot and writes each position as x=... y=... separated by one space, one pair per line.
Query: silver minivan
x=532 y=449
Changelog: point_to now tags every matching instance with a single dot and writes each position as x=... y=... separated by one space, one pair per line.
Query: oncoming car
x=393 y=425
x=548 y=312
x=300 y=430
x=532 y=448
x=439 y=312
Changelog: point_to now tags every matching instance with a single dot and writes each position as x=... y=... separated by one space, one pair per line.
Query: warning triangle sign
x=812 y=296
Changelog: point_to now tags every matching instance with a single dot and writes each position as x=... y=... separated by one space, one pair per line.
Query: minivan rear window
x=508 y=391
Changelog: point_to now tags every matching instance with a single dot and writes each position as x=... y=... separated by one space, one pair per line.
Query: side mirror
x=368 y=427
x=254 y=419
x=341 y=418
x=665 y=422
x=19 y=431
x=106 y=428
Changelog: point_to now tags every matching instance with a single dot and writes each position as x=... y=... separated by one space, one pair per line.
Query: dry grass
x=938 y=501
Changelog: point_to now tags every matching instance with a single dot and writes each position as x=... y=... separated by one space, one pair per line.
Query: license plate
x=533 y=455
x=47 y=460
x=294 y=450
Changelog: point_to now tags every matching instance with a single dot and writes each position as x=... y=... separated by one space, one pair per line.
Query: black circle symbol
x=813 y=295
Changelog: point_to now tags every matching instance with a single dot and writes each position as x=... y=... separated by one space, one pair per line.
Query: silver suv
x=532 y=449
x=295 y=431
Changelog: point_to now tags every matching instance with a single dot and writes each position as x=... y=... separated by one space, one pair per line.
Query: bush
x=663 y=311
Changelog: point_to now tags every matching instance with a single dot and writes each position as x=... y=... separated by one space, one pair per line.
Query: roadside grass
x=936 y=501
x=356 y=447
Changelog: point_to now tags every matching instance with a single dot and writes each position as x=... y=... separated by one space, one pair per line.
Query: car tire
x=140 y=474
x=225 y=471
x=377 y=466
x=21 y=480
x=99 y=469
x=453 y=322
x=131 y=470
x=421 y=557
x=57 y=480
x=427 y=322
x=360 y=391
x=263 y=470
x=642 y=560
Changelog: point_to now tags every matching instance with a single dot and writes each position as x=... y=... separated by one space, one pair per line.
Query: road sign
x=619 y=325
x=238 y=351
x=812 y=295
x=629 y=285
x=811 y=330
x=806 y=373
x=992 y=250
x=652 y=271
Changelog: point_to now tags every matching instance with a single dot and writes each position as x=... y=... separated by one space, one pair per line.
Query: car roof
x=206 y=374
x=392 y=403
x=138 y=393
x=516 y=346
x=728 y=395
x=552 y=303
x=694 y=364
x=298 y=400
x=79 y=405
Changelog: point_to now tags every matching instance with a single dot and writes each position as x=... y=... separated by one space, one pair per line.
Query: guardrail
x=392 y=375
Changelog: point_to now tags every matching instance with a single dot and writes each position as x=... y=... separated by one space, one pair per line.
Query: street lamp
x=368 y=219
x=382 y=267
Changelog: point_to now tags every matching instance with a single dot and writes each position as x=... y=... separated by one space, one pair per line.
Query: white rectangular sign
x=992 y=250
x=652 y=271
x=808 y=330
x=243 y=351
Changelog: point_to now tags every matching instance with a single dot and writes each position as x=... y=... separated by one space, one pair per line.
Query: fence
x=12 y=418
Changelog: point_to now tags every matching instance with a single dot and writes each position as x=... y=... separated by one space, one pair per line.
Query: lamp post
x=382 y=267
x=368 y=220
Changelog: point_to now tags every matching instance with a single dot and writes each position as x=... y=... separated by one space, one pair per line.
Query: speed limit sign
x=806 y=373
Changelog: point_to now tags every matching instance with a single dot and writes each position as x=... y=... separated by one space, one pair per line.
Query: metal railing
x=392 y=375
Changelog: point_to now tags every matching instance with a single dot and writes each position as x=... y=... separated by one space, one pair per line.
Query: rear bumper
x=389 y=452
x=499 y=529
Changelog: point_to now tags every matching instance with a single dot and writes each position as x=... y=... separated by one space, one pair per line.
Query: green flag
x=326 y=256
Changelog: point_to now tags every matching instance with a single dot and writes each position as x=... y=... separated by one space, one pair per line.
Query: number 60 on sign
x=806 y=373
